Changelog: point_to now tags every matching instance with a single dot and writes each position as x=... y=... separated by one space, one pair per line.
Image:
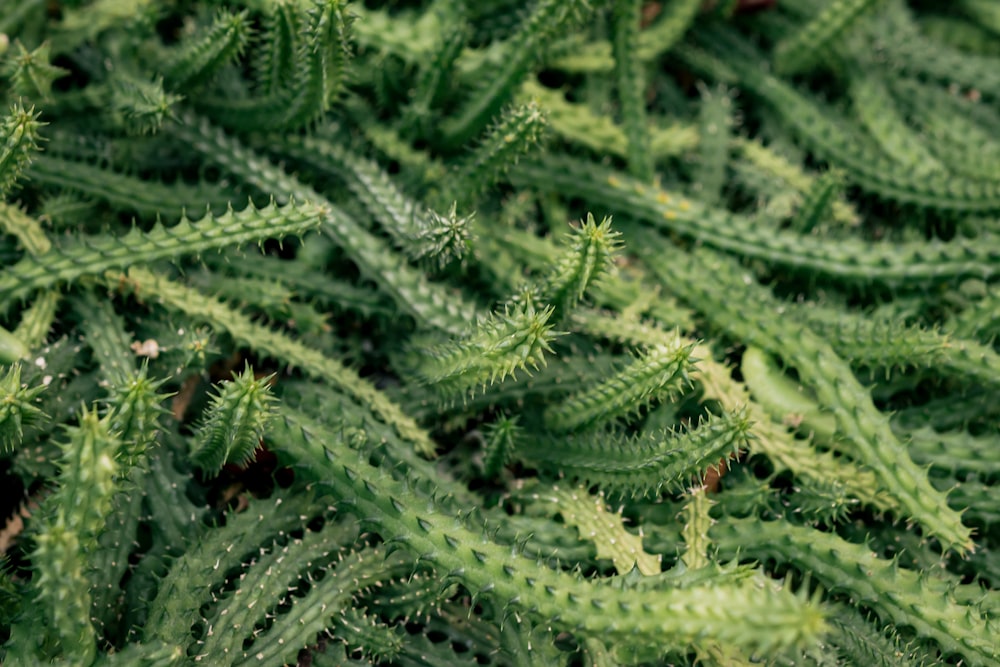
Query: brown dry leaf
x=714 y=475
x=182 y=399
x=15 y=524
x=650 y=11
x=147 y=348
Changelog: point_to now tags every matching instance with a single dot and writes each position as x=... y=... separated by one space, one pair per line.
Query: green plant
x=567 y=332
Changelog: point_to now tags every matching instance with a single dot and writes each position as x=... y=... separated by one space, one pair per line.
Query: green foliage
x=872 y=102
x=631 y=86
x=12 y=347
x=30 y=73
x=715 y=125
x=316 y=75
x=501 y=443
x=858 y=642
x=766 y=166
x=519 y=129
x=429 y=303
x=696 y=524
x=805 y=48
x=498 y=82
x=142 y=196
x=19 y=137
x=927 y=604
x=661 y=372
x=275 y=58
x=319 y=345
x=29 y=232
x=851 y=260
x=710 y=280
x=17 y=408
x=515 y=338
x=234 y=423
x=591 y=517
x=583 y=265
x=423 y=234
x=198 y=58
x=106 y=337
x=88 y=255
x=819 y=203
x=643 y=465
x=74 y=517
x=143 y=106
x=485 y=567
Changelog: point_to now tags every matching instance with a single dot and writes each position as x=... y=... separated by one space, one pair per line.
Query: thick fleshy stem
x=758 y=618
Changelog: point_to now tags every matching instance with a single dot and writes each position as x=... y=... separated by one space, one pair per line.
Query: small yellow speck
x=613 y=182
x=670 y=215
x=684 y=205
x=663 y=197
